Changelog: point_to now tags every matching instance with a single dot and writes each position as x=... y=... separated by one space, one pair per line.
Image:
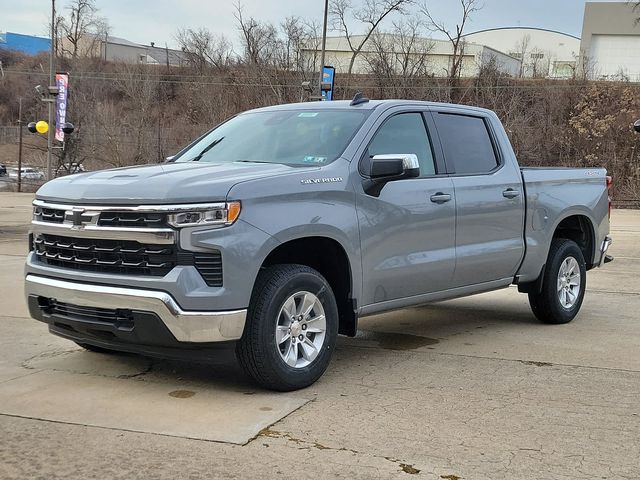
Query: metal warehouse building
x=29 y=44
x=438 y=52
x=544 y=53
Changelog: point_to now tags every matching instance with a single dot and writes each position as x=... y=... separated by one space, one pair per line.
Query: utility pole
x=52 y=80
x=20 y=145
x=324 y=44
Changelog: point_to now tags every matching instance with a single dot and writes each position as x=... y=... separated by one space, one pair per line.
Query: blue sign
x=328 y=76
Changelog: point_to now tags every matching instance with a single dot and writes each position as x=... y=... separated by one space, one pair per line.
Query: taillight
x=609 y=187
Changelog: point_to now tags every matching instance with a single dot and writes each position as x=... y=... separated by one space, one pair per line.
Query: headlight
x=222 y=215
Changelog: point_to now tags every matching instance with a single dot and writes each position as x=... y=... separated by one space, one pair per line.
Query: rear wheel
x=563 y=285
x=291 y=328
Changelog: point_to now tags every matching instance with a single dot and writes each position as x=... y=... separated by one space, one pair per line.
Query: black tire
x=93 y=348
x=546 y=304
x=257 y=350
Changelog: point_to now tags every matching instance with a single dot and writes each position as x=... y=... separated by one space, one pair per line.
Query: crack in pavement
x=306 y=445
x=613 y=292
x=518 y=360
x=115 y=429
x=538 y=364
x=59 y=353
x=34 y=371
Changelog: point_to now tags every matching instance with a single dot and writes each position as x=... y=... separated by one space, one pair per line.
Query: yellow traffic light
x=42 y=127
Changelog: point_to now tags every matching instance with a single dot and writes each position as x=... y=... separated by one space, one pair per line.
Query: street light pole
x=324 y=44
x=51 y=83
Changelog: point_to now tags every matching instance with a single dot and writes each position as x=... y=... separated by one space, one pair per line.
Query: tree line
x=136 y=114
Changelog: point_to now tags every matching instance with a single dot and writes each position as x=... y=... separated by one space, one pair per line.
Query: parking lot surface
x=474 y=388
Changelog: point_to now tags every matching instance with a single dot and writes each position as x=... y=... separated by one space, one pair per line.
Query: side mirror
x=169 y=158
x=395 y=165
x=388 y=168
x=636 y=126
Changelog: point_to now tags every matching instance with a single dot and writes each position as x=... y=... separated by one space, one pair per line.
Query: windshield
x=294 y=137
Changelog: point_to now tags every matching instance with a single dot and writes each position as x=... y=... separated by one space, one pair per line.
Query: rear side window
x=401 y=134
x=466 y=143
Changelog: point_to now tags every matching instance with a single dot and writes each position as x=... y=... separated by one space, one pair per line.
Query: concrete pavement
x=474 y=388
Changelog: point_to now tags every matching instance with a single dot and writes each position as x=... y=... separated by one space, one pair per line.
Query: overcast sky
x=145 y=21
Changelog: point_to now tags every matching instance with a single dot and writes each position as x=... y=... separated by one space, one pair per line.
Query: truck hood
x=168 y=183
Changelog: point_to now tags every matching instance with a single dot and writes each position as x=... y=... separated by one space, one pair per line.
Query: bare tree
x=454 y=36
x=521 y=51
x=298 y=35
x=82 y=29
x=539 y=63
x=586 y=67
x=260 y=40
x=204 y=48
x=399 y=58
x=371 y=13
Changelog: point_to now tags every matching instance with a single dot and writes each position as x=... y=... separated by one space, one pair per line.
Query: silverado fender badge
x=312 y=181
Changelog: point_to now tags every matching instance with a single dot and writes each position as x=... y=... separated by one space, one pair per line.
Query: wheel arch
x=329 y=257
x=577 y=226
x=580 y=228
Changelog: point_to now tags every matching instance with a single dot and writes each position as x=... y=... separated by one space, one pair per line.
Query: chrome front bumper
x=186 y=326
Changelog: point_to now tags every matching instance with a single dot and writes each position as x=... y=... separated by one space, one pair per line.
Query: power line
x=162 y=80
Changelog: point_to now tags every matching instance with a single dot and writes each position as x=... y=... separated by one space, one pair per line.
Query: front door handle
x=440 y=198
x=511 y=193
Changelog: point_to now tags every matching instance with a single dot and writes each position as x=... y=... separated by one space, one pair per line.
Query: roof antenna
x=358 y=99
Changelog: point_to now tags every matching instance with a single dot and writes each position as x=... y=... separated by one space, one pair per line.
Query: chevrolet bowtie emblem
x=76 y=217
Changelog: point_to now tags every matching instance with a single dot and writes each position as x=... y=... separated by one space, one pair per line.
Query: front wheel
x=563 y=284
x=291 y=328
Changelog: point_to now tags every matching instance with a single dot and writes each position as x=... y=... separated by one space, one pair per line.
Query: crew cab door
x=489 y=197
x=407 y=232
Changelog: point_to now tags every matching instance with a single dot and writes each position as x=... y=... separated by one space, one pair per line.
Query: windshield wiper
x=251 y=161
x=206 y=149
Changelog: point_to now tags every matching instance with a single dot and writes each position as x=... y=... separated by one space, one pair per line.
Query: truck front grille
x=106 y=256
x=109 y=218
x=132 y=219
x=50 y=215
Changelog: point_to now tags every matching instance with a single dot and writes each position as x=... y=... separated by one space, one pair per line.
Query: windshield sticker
x=312 y=159
x=308 y=114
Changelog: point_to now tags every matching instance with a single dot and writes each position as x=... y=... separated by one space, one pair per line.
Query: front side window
x=293 y=137
x=402 y=134
x=467 y=145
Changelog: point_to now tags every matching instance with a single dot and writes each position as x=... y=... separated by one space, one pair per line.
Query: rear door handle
x=511 y=193
x=440 y=198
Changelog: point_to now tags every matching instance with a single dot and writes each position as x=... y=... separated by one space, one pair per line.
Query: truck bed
x=553 y=194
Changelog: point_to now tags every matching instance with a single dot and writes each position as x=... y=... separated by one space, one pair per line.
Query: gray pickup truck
x=275 y=231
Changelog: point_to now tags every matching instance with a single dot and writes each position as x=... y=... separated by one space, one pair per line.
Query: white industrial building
x=438 y=56
x=610 y=48
x=544 y=53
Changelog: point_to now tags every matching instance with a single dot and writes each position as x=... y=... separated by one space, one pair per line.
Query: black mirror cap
x=636 y=126
x=68 y=128
x=394 y=167
x=382 y=168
